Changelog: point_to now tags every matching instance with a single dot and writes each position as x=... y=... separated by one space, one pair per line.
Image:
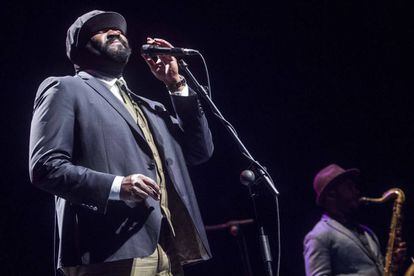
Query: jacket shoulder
x=321 y=231
x=56 y=81
x=52 y=86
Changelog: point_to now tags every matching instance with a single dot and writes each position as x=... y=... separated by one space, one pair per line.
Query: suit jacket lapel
x=151 y=112
x=104 y=92
x=374 y=238
x=342 y=229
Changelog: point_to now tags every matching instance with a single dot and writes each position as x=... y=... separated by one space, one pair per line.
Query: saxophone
x=390 y=268
x=410 y=271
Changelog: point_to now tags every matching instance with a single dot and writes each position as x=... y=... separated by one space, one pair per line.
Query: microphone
x=153 y=50
x=247 y=177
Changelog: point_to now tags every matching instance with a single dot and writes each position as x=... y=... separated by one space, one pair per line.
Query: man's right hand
x=137 y=187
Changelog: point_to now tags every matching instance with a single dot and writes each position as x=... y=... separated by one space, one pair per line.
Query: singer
x=117 y=163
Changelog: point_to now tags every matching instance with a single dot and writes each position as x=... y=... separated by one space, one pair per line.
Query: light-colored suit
x=332 y=249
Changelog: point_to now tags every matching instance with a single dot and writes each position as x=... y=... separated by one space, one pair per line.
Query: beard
x=118 y=53
x=105 y=57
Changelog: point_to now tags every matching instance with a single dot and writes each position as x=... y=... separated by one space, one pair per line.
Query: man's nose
x=114 y=32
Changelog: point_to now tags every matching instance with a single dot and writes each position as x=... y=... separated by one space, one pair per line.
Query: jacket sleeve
x=52 y=140
x=317 y=256
x=197 y=142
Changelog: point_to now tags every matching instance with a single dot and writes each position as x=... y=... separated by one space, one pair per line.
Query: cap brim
x=105 y=20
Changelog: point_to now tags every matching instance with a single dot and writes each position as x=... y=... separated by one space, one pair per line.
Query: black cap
x=89 y=24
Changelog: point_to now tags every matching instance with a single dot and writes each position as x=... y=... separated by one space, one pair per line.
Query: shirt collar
x=108 y=81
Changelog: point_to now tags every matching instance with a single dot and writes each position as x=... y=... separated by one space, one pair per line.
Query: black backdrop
x=306 y=83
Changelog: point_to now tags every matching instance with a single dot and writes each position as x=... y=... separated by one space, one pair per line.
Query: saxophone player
x=338 y=244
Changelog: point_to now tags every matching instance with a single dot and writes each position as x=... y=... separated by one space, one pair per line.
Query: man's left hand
x=165 y=68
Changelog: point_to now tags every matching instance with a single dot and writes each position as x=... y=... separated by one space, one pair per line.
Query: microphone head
x=152 y=50
x=247 y=177
x=145 y=48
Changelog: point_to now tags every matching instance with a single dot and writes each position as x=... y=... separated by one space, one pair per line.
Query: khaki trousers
x=157 y=264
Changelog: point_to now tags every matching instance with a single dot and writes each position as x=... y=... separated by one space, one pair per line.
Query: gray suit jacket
x=81 y=137
x=332 y=249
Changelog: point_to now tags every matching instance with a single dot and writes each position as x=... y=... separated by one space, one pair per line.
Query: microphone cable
x=207 y=76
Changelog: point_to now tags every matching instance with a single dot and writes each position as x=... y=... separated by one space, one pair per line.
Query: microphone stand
x=257 y=169
x=235 y=229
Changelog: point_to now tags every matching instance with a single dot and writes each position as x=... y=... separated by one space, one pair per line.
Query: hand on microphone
x=165 y=68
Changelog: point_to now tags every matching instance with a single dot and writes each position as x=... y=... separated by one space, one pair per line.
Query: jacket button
x=151 y=165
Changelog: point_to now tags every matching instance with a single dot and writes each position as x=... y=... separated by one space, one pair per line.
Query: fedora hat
x=329 y=176
x=87 y=25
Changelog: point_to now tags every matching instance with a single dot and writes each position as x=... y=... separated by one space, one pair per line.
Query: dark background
x=305 y=83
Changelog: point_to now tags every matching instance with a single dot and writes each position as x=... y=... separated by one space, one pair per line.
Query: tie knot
x=121 y=83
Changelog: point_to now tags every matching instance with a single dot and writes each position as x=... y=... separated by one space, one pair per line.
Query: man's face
x=113 y=44
x=347 y=196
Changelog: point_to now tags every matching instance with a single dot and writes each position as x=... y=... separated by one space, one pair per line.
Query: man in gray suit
x=338 y=245
x=117 y=162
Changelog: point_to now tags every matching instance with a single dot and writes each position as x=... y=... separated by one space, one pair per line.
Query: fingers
x=159 y=42
x=138 y=187
x=163 y=43
x=151 y=63
x=144 y=186
x=138 y=194
x=152 y=184
x=165 y=67
x=166 y=60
